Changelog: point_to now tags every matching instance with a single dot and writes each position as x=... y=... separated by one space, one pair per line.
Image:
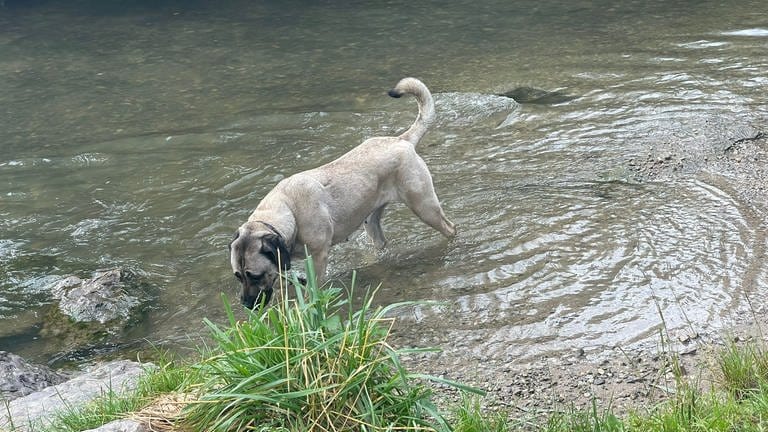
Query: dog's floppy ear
x=271 y=246
x=237 y=234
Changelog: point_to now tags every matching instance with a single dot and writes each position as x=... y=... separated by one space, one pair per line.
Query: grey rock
x=59 y=288
x=36 y=409
x=99 y=299
x=121 y=426
x=19 y=378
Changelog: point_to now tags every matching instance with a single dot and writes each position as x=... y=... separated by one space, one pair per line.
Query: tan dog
x=323 y=206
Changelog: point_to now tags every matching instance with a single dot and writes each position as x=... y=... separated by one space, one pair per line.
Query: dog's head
x=258 y=255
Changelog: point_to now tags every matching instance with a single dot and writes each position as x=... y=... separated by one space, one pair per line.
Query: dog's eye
x=239 y=276
x=253 y=277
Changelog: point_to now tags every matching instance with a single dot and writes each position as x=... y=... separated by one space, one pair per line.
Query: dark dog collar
x=271 y=228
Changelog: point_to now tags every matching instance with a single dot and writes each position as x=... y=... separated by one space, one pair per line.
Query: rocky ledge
x=34 y=410
x=19 y=378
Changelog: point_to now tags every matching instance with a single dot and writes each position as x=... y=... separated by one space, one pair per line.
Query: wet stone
x=19 y=378
x=100 y=298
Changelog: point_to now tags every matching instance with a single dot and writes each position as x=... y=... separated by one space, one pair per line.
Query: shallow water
x=142 y=136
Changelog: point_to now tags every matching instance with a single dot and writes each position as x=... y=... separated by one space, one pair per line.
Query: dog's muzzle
x=261 y=299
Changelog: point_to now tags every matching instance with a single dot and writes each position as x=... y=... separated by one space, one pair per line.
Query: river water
x=141 y=136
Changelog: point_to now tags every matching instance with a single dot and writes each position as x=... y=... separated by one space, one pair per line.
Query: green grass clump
x=299 y=366
x=469 y=416
x=586 y=420
x=744 y=369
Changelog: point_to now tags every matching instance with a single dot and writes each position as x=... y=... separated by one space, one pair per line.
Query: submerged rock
x=101 y=298
x=19 y=378
x=89 y=310
x=532 y=95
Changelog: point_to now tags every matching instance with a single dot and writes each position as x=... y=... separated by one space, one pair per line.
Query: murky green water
x=142 y=136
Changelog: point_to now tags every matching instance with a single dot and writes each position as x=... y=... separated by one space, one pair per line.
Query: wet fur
x=323 y=206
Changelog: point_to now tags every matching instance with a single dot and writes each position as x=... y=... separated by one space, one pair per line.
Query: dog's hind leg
x=428 y=209
x=373 y=228
x=419 y=195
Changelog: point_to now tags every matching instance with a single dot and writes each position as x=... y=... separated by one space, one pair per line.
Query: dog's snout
x=248 y=301
x=259 y=300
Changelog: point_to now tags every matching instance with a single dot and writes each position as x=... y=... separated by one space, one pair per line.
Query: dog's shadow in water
x=393 y=270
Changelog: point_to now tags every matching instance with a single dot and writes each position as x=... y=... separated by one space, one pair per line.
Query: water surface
x=141 y=136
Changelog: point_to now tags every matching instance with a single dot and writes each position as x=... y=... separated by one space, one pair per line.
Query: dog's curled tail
x=426 y=107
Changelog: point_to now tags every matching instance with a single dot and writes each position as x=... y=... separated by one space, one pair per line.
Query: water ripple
x=604 y=269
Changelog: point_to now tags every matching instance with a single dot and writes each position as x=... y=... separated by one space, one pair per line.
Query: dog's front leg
x=319 y=249
x=320 y=261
